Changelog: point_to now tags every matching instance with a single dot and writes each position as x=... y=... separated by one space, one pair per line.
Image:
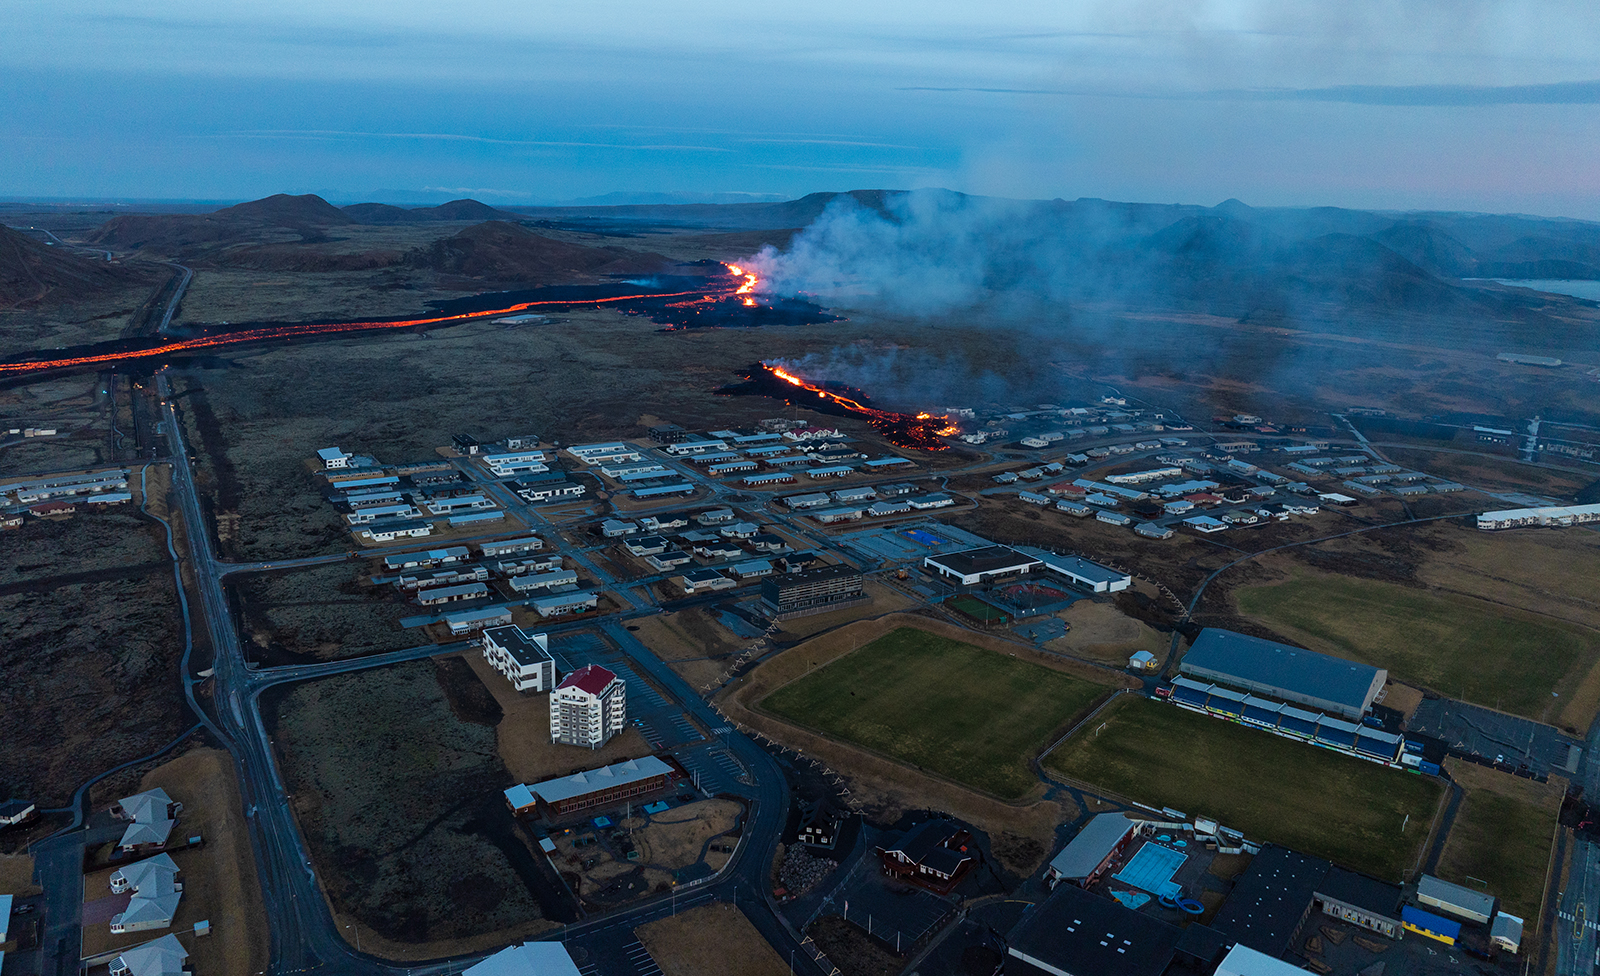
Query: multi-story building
x=524 y=660
x=789 y=595
x=588 y=707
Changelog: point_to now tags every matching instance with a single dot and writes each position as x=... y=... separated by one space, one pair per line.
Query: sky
x=1427 y=104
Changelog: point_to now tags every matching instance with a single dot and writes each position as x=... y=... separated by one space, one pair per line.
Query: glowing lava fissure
x=719 y=300
x=920 y=431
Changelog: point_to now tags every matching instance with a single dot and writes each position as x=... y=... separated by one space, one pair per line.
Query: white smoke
x=929 y=252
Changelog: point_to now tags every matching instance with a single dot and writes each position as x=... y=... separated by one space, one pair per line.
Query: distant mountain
x=650 y=199
x=456 y=210
x=32 y=272
x=281 y=215
x=726 y=216
x=283 y=210
x=379 y=213
x=505 y=252
x=1427 y=245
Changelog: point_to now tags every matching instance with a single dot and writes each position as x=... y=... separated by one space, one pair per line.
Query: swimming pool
x=1152 y=868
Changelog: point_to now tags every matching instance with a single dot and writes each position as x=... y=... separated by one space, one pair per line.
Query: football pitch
x=969 y=714
x=1319 y=802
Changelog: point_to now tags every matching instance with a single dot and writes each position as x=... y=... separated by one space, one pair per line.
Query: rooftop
x=1219 y=653
x=1085 y=851
x=591 y=678
x=1076 y=932
x=987 y=559
x=1270 y=898
x=523 y=649
x=582 y=784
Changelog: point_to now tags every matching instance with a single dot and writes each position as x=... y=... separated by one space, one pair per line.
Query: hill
x=382 y=214
x=279 y=216
x=32 y=272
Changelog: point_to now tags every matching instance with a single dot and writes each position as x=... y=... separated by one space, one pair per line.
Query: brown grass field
x=712 y=940
x=1502 y=836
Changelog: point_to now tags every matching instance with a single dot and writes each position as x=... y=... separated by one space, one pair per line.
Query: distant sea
x=1577 y=289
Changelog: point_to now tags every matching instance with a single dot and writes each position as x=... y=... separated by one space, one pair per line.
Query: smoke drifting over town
x=1094 y=286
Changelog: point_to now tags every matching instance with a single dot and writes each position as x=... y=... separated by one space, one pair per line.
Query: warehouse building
x=986 y=564
x=789 y=595
x=1284 y=672
x=1516 y=518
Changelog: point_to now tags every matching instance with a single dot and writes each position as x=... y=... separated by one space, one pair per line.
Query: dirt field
x=395 y=806
x=16 y=874
x=1502 y=836
x=970 y=714
x=693 y=643
x=522 y=733
x=674 y=839
x=90 y=635
x=325 y=613
x=1100 y=632
x=712 y=940
x=219 y=877
x=1313 y=800
x=887 y=789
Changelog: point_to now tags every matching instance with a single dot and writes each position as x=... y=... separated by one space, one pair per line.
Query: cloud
x=1553 y=93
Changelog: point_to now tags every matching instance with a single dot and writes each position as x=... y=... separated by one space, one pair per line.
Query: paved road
x=1578 y=912
x=303 y=934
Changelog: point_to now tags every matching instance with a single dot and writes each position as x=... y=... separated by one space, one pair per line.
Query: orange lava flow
x=746 y=291
x=921 y=430
x=332 y=328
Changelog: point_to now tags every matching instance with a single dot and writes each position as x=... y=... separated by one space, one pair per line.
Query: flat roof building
x=1474 y=906
x=1285 y=672
x=1271 y=901
x=786 y=596
x=1091 y=576
x=524 y=660
x=1244 y=961
x=1076 y=933
x=985 y=564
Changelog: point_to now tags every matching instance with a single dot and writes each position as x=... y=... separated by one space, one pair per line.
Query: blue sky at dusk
x=1458 y=105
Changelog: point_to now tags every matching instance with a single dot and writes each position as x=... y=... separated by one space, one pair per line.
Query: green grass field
x=978 y=609
x=972 y=715
x=1458 y=646
x=1313 y=800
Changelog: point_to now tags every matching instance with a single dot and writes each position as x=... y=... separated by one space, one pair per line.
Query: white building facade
x=525 y=661
x=588 y=707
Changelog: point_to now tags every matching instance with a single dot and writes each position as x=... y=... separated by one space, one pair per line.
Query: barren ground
x=712 y=940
